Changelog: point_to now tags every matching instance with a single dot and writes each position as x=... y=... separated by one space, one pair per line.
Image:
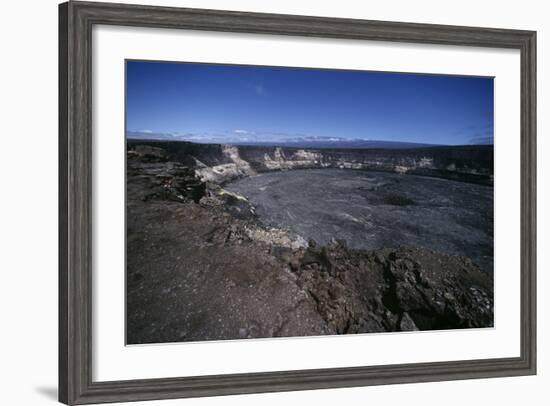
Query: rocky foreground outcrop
x=400 y=289
x=201 y=267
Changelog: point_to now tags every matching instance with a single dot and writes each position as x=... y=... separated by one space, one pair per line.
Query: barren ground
x=201 y=265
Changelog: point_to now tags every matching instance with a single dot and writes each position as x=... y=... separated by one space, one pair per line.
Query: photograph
x=266 y=201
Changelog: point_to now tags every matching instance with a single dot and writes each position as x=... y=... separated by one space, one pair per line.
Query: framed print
x=257 y=202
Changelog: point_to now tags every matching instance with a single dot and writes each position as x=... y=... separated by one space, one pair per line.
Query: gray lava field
x=373 y=210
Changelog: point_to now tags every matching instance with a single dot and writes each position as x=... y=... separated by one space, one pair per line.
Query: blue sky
x=228 y=103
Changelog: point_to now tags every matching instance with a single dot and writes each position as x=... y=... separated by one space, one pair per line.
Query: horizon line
x=324 y=146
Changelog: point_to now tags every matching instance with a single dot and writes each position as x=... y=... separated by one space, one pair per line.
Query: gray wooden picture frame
x=76 y=20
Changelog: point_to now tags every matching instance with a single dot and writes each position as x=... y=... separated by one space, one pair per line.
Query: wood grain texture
x=75 y=202
x=63 y=245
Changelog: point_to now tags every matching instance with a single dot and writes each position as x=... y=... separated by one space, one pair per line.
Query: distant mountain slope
x=340 y=143
x=290 y=141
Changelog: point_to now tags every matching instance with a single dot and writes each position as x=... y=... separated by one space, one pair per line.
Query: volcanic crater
x=232 y=242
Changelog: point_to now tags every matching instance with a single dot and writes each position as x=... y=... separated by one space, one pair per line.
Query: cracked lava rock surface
x=202 y=266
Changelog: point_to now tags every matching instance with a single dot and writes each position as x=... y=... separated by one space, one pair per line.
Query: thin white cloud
x=147 y=131
x=259 y=89
x=240 y=131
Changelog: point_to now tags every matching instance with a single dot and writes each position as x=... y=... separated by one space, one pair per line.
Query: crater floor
x=374 y=210
x=201 y=267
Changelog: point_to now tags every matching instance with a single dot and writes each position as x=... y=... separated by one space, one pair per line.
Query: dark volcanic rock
x=147 y=153
x=393 y=290
x=163 y=180
x=470 y=163
x=200 y=267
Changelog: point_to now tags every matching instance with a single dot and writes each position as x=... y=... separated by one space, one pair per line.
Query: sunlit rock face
x=292 y=159
x=221 y=173
x=223 y=163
